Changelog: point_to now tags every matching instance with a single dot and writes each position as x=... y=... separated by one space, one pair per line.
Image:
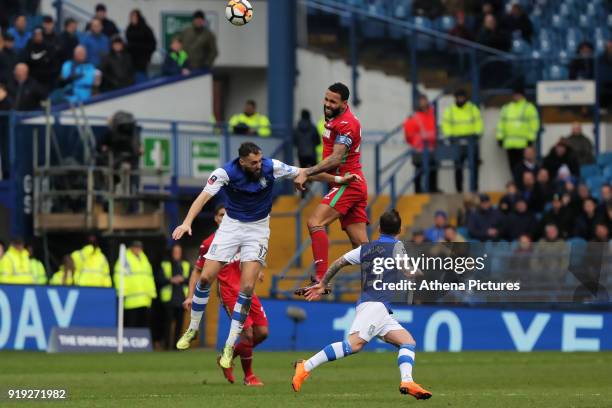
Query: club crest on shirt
x=212 y=179
x=263 y=182
x=327 y=133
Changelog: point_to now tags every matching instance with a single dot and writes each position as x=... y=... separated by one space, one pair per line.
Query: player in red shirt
x=341 y=156
x=255 y=328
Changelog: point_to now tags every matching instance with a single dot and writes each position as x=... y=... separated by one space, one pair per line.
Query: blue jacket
x=97 y=46
x=21 y=39
x=84 y=77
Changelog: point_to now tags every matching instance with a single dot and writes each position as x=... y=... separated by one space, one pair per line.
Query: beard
x=335 y=112
x=252 y=175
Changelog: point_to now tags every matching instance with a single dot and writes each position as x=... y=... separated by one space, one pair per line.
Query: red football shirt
x=344 y=129
x=230 y=274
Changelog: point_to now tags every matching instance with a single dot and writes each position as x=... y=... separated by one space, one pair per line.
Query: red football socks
x=320 y=247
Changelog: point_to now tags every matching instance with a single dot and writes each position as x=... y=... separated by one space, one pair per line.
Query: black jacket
x=67 y=44
x=140 y=45
x=306 y=139
x=8 y=59
x=27 y=95
x=117 y=71
x=516 y=224
x=41 y=60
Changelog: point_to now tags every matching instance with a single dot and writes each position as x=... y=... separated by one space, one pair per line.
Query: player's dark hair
x=341 y=90
x=247 y=148
x=218 y=207
x=390 y=222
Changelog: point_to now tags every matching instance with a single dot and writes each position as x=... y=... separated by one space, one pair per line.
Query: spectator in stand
x=177 y=61
x=518 y=222
x=200 y=42
x=545 y=186
x=68 y=40
x=518 y=126
x=19 y=32
x=484 y=224
x=5 y=106
x=581 y=67
x=8 y=58
x=470 y=204
x=531 y=193
x=96 y=43
x=462 y=122
x=485 y=8
x=26 y=93
x=557 y=215
x=418 y=237
x=49 y=35
x=605 y=75
x=602 y=233
x=431 y=9
x=461 y=29
x=109 y=28
x=40 y=58
x=250 y=122
x=517 y=20
x=585 y=224
x=80 y=75
x=550 y=253
x=605 y=216
x=141 y=44
x=529 y=164
x=605 y=198
x=560 y=156
x=507 y=202
x=435 y=233
x=116 y=67
x=420 y=130
x=521 y=259
x=492 y=35
x=451 y=235
x=580 y=145
x=306 y=139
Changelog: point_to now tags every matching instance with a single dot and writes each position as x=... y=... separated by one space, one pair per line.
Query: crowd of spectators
x=43 y=62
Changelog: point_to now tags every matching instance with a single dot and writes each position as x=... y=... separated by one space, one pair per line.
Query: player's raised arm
x=217 y=179
x=352 y=257
x=342 y=145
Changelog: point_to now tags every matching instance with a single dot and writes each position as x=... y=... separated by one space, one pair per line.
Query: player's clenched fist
x=180 y=231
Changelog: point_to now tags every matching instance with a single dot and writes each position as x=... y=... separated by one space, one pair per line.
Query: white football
x=239 y=12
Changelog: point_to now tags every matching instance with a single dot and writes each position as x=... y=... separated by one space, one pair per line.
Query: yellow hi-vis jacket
x=38 y=271
x=58 y=278
x=256 y=121
x=91 y=267
x=518 y=124
x=462 y=121
x=165 y=293
x=138 y=283
x=16 y=268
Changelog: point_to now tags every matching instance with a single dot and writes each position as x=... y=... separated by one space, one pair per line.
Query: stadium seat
x=604 y=159
x=607 y=173
x=520 y=47
x=423 y=42
x=594 y=182
x=556 y=73
x=590 y=170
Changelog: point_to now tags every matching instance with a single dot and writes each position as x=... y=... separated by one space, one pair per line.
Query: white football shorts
x=373 y=320
x=248 y=238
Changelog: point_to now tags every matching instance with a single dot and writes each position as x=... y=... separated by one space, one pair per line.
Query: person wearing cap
x=90 y=265
x=19 y=32
x=95 y=42
x=15 y=266
x=117 y=69
x=518 y=126
x=435 y=233
x=40 y=58
x=49 y=35
x=8 y=58
x=138 y=286
x=109 y=28
x=460 y=122
x=200 y=43
x=485 y=223
x=420 y=132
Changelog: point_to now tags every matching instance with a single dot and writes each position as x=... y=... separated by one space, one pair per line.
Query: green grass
x=191 y=379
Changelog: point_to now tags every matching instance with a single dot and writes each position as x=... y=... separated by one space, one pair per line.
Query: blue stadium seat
x=604 y=159
x=463 y=232
x=423 y=42
x=520 y=47
x=556 y=72
x=607 y=173
x=589 y=170
x=595 y=182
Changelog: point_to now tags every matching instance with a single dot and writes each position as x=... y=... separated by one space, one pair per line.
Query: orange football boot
x=300 y=375
x=414 y=389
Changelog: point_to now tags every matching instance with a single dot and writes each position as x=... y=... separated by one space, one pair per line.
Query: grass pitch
x=192 y=379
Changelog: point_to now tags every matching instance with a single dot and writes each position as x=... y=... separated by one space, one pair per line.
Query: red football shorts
x=257 y=315
x=350 y=200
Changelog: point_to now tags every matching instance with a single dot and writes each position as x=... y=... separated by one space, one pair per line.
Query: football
x=238 y=12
